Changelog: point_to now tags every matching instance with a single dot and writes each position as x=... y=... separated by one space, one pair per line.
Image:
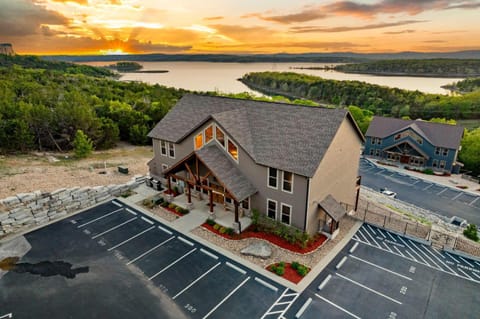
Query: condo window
x=287 y=182
x=220 y=136
x=171 y=150
x=445 y=152
x=435 y=163
x=163 y=148
x=442 y=164
x=246 y=203
x=437 y=150
x=272 y=177
x=286 y=213
x=198 y=141
x=208 y=134
x=233 y=149
x=271 y=209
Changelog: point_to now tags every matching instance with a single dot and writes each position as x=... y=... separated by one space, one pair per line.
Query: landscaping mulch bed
x=274 y=239
x=290 y=273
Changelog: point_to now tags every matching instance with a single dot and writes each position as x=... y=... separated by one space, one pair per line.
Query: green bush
x=216 y=226
x=172 y=206
x=279 y=270
x=471 y=232
x=230 y=231
x=179 y=209
x=164 y=204
x=210 y=222
x=175 y=189
x=281 y=264
x=302 y=270
x=185 y=211
x=294 y=265
x=222 y=230
x=82 y=145
x=428 y=171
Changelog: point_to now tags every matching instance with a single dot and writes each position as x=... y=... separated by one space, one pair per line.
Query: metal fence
x=380 y=216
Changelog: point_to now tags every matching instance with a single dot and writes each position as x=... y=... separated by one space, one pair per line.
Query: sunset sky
x=238 y=26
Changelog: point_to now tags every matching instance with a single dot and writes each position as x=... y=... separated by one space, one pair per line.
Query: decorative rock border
x=24 y=210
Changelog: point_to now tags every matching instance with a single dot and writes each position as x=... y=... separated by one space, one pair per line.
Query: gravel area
x=50 y=171
x=278 y=254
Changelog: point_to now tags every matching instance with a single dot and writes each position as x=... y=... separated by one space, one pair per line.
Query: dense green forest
x=380 y=100
x=34 y=62
x=43 y=108
x=464 y=86
x=126 y=66
x=429 y=67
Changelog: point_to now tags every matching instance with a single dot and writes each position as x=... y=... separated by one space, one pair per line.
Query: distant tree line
x=416 y=67
x=44 y=108
x=464 y=86
x=380 y=100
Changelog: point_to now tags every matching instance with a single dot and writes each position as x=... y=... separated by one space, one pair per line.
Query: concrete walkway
x=451 y=181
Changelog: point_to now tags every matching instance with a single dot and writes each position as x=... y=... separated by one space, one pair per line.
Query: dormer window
x=220 y=136
x=232 y=149
x=208 y=134
x=198 y=140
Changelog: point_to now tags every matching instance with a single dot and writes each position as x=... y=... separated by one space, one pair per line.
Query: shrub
x=222 y=230
x=230 y=231
x=210 y=222
x=185 y=211
x=428 y=171
x=302 y=270
x=281 y=264
x=179 y=209
x=82 y=145
x=471 y=232
x=280 y=270
x=216 y=226
x=294 y=265
x=172 y=206
x=147 y=203
x=175 y=189
x=164 y=204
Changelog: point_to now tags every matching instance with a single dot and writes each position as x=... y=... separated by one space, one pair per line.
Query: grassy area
x=469 y=124
x=421 y=220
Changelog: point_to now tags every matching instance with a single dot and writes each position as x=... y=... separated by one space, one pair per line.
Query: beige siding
x=337 y=173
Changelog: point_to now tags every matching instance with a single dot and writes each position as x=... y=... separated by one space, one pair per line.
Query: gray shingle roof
x=441 y=135
x=288 y=137
x=332 y=208
x=226 y=172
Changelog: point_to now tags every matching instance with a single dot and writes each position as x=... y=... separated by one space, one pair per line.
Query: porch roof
x=223 y=169
x=416 y=148
x=332 y=208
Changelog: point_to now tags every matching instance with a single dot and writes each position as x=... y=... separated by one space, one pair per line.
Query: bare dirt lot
x=51 y=171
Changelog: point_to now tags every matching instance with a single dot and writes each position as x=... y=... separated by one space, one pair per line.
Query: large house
x=295 y=164
x=415 y=143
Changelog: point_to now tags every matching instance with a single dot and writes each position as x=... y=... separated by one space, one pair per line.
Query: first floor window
x=246 y=203
x=171 y=150
x=271 y=209
x=435 y=163
x=377 y=152
x=163 y=148
x=371 y=151
x=286 y=213
x=442 y=164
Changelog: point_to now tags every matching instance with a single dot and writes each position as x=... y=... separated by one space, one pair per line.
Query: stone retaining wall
x=20 y=212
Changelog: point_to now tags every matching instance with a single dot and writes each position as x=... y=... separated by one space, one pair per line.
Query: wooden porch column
x=210 y=195
x=189 y=193
x=332 y=226
x=169 y=183
x=235 y=203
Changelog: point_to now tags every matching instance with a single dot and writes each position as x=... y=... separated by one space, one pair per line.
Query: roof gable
x=288 y=137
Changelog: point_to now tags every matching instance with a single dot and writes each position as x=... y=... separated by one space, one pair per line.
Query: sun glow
x=113 y=52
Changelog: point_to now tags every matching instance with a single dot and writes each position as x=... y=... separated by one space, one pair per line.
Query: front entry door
x=217 y=193
x=405 y=159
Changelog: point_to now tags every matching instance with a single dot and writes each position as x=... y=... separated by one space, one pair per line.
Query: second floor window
x=163 y=148
x=171 y=150
x=233 y=150
x=287 y=185
x=208 y=134
x=272 y=177
x=220 y=136
x=198 y=141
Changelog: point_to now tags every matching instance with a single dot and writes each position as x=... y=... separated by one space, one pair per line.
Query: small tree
x=471 y=232
x=83 y=145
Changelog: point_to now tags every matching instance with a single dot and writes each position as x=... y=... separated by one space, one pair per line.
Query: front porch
x=222 y=214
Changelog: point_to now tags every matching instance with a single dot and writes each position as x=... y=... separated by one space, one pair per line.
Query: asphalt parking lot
x=135 y=268
x=379 y=274
x=443 y=200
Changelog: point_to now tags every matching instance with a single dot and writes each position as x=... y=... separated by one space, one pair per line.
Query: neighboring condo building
x=296 y=164
x=415 y=143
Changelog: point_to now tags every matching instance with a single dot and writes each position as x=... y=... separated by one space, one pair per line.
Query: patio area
x=222 y=214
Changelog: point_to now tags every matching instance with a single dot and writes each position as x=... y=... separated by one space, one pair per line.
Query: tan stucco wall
x=336 y=174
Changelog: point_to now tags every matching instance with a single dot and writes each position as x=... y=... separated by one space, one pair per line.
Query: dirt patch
x=51 y=171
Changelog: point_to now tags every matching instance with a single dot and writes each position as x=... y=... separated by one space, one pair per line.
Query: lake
x=222 y=77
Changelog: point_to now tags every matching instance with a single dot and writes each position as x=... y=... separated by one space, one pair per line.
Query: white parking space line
x=390 y=235
x=371 y=229
x=364 y=237
x=131 y=238
x=101 y=217
x=398 y=251
x=185 y=241
x=173 y=263
x=149 y=251
x=476 y=275
x=303 y=308
x=116 y=203
x=195 y=281
x=381 y=233
x=413 y=251
x=449 y=255
x=442 y=191
x=457 y=196
x=371 y=237
x=379 y=172
x=411 y=256
x=266 y=284
x=477 y=263
x=466 y=261
x=445 y=265
x=424 y=254
x=131 y=212
x=147 y=220
x=226 y=297
x=338 y=307
x=8 y=315
x=209 y=253
x=165 y=230
x=473 y=201
x=417 y=181
x=430 y=185
x=437 y=252
x=115 y=227
x=380 y=267
x=369 y=289
x=388 y=248
x=240 y=270
x=466 y=275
